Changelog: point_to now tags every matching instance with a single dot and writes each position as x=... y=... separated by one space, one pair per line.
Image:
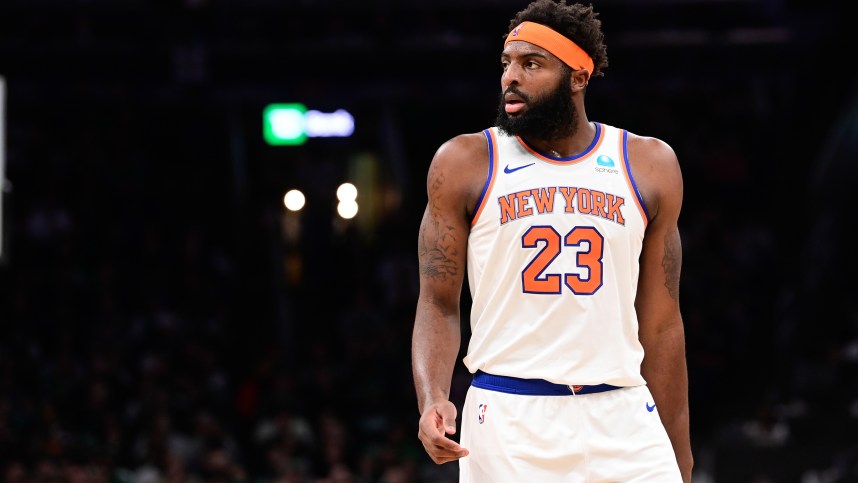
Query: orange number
x=533 y=280
x=592 y=259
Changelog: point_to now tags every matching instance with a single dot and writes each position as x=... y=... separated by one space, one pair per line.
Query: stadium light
x=294 y=200
x=347 y=209
x=347 y=192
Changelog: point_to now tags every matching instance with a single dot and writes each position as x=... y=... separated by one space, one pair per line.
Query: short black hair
x=579 y=23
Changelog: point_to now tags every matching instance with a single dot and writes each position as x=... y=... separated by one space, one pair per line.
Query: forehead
x=520 y=48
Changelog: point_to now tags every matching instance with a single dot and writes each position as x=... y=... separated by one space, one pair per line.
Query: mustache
x=514 y=90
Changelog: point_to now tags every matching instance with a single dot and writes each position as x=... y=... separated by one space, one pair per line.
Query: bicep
x=657 y=302
x=661 y=265
x=442 y=239
x=661 y=258
x=440 y=251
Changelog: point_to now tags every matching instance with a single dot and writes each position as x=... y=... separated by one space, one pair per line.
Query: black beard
x=548 y=118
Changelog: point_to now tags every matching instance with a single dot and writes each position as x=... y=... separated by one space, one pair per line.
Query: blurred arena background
x=163 y=316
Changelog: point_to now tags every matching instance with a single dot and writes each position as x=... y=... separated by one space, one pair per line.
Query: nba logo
x=515 y=32
x=481 y=416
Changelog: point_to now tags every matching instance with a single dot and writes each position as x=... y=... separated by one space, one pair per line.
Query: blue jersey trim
x=532 y=387
x=573 y=157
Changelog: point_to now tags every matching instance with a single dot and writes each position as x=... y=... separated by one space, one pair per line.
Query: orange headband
x=554 y=42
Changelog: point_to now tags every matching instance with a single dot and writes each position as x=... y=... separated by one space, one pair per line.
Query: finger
x=455 y=452
x=438 y=445
x=435 y=434
x=448 y=418
x=442 y=444
x=434 y=429
x=444 y=455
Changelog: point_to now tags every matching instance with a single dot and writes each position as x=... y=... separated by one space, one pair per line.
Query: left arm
x=661 y=330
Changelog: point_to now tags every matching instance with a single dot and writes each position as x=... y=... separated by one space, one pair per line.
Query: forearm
x=664 y=369
x=434 y=350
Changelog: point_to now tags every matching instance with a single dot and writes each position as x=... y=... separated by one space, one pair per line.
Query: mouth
x=513 y=102
x=513 y=106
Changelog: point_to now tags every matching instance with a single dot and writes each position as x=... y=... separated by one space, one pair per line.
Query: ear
x=580 y=79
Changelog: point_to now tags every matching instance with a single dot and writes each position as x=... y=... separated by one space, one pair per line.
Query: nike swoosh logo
x=650 y=408
x=509 y=170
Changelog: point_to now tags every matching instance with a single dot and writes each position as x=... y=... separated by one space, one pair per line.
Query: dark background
x=161 y=318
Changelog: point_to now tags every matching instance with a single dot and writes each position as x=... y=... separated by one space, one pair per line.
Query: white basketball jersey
x=553 y=263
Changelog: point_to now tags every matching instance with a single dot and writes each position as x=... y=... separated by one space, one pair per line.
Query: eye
x=531 y=65
x=504 y=64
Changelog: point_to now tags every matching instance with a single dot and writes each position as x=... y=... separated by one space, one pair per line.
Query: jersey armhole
x=490 y=178
x=630 y=179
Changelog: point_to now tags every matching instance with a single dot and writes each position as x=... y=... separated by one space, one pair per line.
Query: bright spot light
x=347 y=192
x=347 y=209
x=287 y=124
x=293 y=200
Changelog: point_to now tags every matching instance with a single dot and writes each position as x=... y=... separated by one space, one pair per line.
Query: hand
x=437 y=421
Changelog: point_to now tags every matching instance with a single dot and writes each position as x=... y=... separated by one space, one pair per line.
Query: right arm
x=442 y=250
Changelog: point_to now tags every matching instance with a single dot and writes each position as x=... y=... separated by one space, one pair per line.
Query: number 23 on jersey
x=533 y=278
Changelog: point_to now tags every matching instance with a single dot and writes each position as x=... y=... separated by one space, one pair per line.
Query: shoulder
x=459 y=168
x=651 y=154
x=461 y=150
x=656 y=170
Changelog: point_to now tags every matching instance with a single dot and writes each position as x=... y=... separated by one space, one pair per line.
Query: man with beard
x=569 y=231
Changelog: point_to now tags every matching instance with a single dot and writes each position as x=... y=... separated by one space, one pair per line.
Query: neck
x=576 y=142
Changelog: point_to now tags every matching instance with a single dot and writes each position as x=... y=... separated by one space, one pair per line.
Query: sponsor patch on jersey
x=605 y=161
x=606 y=165
x=481 y=414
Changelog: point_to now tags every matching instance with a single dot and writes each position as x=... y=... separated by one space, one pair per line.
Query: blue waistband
x=533 y=387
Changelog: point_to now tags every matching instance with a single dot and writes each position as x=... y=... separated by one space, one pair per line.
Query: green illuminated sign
x=291 y=124
x=284 y=124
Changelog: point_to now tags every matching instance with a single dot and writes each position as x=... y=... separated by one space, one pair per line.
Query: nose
x=511 y=75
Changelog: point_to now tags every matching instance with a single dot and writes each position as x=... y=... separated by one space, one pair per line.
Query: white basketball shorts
x=610 y=436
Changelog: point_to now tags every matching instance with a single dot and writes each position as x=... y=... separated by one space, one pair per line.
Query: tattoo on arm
x=435 y=255
x=671 y=263
x=438 y=239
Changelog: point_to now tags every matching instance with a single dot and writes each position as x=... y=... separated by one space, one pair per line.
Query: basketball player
x=569 y=230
